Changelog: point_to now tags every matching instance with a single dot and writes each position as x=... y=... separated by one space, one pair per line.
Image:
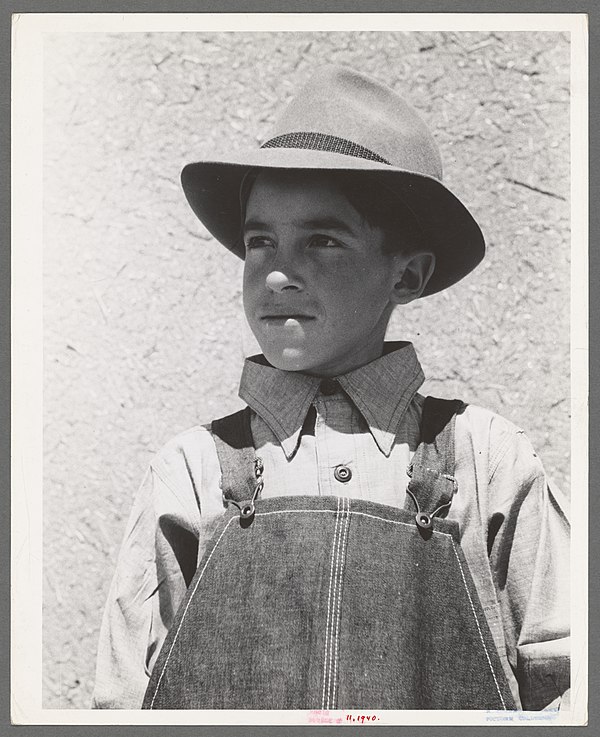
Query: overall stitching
x=395 y=522
x=333 y=555
x=436 y=532
x=331 y=629
x=185 y=611
x=332 y=511
x=339 y=609
x=334 y=564
x=477 y=623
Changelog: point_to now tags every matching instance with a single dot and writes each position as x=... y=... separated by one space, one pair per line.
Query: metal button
x=342 y=473
x=423 y=520
x=328 y=387
x=247 y=510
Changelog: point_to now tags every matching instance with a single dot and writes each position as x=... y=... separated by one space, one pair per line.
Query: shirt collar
x=381 y=391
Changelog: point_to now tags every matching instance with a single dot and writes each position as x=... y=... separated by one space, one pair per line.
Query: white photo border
x=26 y=521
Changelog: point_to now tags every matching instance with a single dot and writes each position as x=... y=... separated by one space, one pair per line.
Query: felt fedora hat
x=343 y=120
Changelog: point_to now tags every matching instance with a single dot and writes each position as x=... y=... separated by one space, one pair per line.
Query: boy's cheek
x=250 y=298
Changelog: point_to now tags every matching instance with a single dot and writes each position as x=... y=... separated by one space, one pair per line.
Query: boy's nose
x=278 y=281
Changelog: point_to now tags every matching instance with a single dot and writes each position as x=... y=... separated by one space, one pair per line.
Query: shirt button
x=342 y=473
x=328 y=387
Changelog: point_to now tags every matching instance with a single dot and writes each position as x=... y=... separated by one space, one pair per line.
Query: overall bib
x=312 y=602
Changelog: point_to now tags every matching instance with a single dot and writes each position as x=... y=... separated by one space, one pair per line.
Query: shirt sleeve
x=156 y=561
x=528 y=545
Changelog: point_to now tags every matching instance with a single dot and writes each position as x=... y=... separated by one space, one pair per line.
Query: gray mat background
x=143 y=329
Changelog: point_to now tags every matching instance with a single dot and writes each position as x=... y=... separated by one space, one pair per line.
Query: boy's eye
x=257 y=241
x=324 y=241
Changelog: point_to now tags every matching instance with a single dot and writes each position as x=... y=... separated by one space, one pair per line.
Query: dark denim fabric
x=324 y=602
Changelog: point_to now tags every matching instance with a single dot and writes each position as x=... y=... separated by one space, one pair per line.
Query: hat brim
x=212 y=189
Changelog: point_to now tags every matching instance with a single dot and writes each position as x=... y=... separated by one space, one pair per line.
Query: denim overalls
x=316 y=602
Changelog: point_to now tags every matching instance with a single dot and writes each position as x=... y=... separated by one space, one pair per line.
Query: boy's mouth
x=281 y=313
x=283 y=318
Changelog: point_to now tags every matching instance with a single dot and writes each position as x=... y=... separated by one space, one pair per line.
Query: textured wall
x=143 y=329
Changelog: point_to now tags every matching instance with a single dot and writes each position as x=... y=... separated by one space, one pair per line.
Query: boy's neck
x=386 y=348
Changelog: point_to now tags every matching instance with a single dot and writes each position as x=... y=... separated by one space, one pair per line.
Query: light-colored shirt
x=514 y=527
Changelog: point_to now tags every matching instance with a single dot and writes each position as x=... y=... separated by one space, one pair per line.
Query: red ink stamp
x=323 y=716
x=362 y=718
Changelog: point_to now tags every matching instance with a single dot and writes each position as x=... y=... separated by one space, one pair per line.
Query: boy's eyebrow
x=328 y=222
x=254 y=224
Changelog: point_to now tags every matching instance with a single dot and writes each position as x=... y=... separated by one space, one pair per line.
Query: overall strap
x=235 y=449
x=432 y=484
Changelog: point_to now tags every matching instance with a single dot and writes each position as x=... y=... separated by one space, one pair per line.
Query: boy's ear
x=412 y=274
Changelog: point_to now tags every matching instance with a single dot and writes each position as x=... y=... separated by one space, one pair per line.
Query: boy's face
x=318 y=285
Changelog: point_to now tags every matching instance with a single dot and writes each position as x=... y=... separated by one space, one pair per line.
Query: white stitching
x=186 y=609
x=338 y=612
x=362 y=514
x=330 y=630
x=437 y=532
x=396 y=522
x=333 y=602
x=317 y=511
x=333 y=549
x=477 y=623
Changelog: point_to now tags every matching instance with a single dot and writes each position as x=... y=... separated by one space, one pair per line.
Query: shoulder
x=480 y=418
x=487 y=426
x=500 y=444
x=187 y=462
x=186 y=444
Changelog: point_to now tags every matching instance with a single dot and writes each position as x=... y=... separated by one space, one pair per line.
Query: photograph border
x=24 y=423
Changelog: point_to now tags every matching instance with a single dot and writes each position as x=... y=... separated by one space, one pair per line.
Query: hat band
x=323 y=142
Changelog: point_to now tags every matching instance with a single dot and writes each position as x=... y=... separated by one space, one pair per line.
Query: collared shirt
x=514 y=527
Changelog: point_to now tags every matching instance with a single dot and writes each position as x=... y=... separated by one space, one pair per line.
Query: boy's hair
x=379 y=205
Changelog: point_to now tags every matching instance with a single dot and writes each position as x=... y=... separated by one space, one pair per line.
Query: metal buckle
x=247 y=508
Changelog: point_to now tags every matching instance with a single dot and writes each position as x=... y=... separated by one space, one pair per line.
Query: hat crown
x=348 y=106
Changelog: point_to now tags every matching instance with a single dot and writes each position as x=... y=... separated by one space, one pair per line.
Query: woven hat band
x=323 y=142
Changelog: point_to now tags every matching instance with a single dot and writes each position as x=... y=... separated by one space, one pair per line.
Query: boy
x=278 y=558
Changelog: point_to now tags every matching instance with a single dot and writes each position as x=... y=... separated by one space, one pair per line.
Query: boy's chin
x=288 y=359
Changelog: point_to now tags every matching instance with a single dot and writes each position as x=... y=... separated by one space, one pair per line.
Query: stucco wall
x=143 y=329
